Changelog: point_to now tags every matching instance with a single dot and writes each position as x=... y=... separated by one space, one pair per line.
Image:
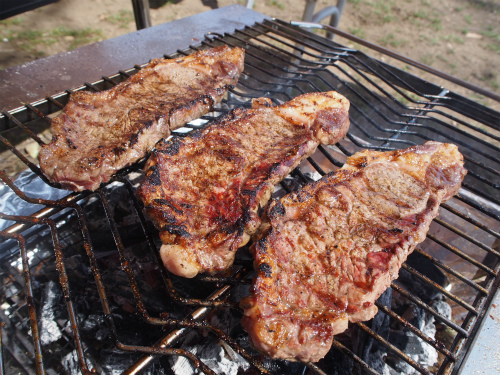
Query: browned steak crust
x=204 y=191
x=329 y=250
x=97 y=134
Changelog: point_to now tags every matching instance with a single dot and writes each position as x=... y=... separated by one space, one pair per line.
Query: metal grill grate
x=82 y=288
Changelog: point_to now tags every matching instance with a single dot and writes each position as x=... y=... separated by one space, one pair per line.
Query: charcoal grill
x=82 y=286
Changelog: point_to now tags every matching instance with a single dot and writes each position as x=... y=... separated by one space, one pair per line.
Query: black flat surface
x=44 y=77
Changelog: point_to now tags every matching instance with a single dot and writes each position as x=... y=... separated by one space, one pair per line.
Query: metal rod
x=397 y=56
x=141 y=14
x=394 y=349
x=199 y=313
x=28 y=286
x=2 y=369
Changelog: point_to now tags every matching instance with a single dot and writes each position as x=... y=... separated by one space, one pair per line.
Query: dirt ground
x=460 y=37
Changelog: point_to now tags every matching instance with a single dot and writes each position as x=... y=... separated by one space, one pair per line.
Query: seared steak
x=97 y=134
x=328 y=251
x=204 y=191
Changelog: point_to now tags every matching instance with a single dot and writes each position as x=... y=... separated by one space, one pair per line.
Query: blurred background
x=460 y=37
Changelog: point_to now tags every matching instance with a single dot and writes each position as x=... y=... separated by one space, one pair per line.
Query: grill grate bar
x=451 y=271
x=390 y=109
x=39 y=366
x=462 y=255
x=195 y=360
x=2 y=367
x=470 y=220
x=210 y=302
x=393 y=349
x=39 y=114
x=482 y=179
x=434 y=343
x=449 y=126
x=476 y=205
x=54 y=101
x=429 y=309
x=475 y=328
x=366 y=368
x=467 y=237
x=63 y=277
x=28 y=163
x=409 y=124
x=92 y=87
x=124 y=261
x=466 y=124
x=440 y=288
x=124 y=73
x=23 y=127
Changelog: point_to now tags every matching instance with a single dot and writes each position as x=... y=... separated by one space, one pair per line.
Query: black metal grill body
x=93 y=257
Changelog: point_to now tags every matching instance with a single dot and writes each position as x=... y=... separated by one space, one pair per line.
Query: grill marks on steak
x=329 y=250
x=204 y=192
x=97 y=134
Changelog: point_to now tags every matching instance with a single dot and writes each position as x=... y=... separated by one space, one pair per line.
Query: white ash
x=49 y=329
x=412 y=345
x=220 y=359
x=442 y=308
x=71 y=364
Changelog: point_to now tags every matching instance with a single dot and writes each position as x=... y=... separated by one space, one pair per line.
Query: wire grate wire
x=97 y=255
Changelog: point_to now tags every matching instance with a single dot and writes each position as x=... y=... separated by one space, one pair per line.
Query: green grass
x=432 y=41
x=122 y=19
x=428 y=59
x=494 y=36
x=432 y=18
x=357 y=31
x=495 y=47
x=29 y=40
x=275 y=3
x=355 y=2
x=491 y=80
x=393 y=41
x=14 y=21
x=453 y=39
x=383 y=9
x=380 y=10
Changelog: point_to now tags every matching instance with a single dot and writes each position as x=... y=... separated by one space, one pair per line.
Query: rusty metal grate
x=83 y=289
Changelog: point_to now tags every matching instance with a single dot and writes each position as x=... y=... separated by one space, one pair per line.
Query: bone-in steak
x=327 y=251
x=204 y=191
x=97 y=134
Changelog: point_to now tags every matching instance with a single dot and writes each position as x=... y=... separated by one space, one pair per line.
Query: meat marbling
x=327 y=251
x=97 y=134
x=204 y=191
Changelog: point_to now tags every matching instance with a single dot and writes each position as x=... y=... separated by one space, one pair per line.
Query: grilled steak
x=97 y=134
x=328 y=251
x=204 y=192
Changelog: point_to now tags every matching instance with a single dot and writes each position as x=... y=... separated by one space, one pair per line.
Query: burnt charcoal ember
x=219 y=356
x=409 y=343
x=421 y=352
x=290 y=184
x=377 y=356
x=338 y=363
x=442 y=307
x=418 y=287
x=370 y=351
x=94 y=326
